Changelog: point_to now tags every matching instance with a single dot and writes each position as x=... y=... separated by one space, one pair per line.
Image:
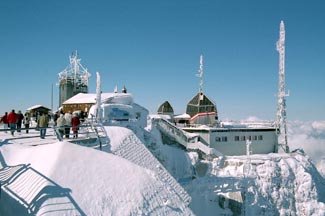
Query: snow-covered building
x=37 y=108
x=79 y=102
x=201 y=121
x=114 y=107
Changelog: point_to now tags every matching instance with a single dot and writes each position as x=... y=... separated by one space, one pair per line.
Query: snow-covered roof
x=182 y=116
x=37 y=106
x=87 y=98
x=81 y=98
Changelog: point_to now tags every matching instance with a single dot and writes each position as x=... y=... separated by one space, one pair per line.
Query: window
x=243 y=138
x=224 y=139
x=249 y=138
x=255 y=137
x=218 y=139
x=260 y=137
x=236 y=138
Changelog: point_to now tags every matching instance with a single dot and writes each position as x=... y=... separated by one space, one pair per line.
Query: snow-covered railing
x=98 y=129
x=247 y=123
x=33 y=190
x=178 y=134
x=135 y=151
x=188 y=140
x=204 y=148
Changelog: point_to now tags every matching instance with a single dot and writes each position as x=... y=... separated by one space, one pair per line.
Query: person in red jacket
x=4 y=120
x=12 y=120
x=75 y=122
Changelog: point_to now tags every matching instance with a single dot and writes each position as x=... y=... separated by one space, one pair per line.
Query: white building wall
x=263 y=142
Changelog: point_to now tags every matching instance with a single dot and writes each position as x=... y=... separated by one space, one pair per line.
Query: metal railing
x=188 y=140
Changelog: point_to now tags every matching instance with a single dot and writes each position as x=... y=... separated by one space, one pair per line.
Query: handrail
x=188 y=140
x=94 y=126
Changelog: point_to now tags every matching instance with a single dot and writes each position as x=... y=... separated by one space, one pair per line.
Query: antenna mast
x=73 y=79
x=281 y=122
x=201 y=73
x=75 y=72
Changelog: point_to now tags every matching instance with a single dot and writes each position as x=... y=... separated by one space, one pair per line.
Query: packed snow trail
x=131 y=148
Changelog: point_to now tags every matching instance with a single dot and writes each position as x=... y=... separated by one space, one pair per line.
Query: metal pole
x=52 y=97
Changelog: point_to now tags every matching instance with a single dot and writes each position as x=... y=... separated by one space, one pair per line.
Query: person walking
x=75 y=123
x=4 y=120
x=27 y=121
x=43 y=124
x=55 y=118
x=68 y=118
x=19 y=121
x=60 y=123
x=12 y=119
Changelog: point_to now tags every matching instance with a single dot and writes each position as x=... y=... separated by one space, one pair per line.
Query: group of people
x=14 y=121
x=65 y=121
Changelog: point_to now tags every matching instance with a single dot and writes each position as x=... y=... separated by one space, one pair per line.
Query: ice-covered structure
x=73 y=79
x=119 y=107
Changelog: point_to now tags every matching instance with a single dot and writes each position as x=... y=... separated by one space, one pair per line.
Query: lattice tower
x=73 y=79
x=281 y=110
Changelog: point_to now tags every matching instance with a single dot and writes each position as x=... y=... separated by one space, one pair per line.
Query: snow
x=183 y=116
x=101 y=183
x=34 y=107
x=142 y=174
x=87 y=182
x=123 y=98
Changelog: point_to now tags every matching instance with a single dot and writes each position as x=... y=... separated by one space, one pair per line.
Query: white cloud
x=310 y=136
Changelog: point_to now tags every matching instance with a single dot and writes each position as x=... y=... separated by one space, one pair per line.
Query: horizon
x=153 y=49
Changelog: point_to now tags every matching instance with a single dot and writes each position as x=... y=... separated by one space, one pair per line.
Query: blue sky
x=153 y=47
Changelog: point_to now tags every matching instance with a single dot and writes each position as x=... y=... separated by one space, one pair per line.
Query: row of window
x=240 y=138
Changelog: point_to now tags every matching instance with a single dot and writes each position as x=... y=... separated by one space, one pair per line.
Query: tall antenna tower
x=73 y=79
x=281 y=122
x=201 y=73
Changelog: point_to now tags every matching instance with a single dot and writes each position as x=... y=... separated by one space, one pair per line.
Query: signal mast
x=200 y=75
x=73 y=79
x=281 y=122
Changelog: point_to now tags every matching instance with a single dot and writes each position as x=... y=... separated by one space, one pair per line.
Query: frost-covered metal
x=73 y=79
x=201 y=73
x=98 y=97
x=247 y=165
x=281 y=110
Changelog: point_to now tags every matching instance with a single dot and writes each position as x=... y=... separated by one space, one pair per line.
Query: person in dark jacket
x=19 y=121
x=4 y=120
x=12 y=119
x=75 y=122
